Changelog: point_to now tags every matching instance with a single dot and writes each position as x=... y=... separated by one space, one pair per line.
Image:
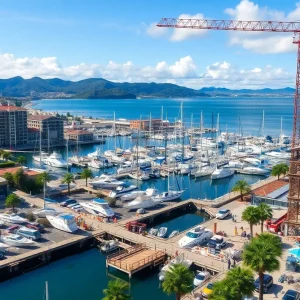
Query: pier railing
x=126 y=252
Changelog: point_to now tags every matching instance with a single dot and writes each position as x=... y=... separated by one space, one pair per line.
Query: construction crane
x=293 y=216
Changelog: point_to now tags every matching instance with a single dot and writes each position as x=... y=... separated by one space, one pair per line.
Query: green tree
x=241 y=186
x=178 y=281
x=22 y=160
x=250 y=215
x=86 y=174
x=6 y=155
x=19 y=177
x=1 y=152
x=12 y=201
x=264 y=213
x=238 y=282
x=262 y=254
x=280 y=169
x=68 y=179
x=9 y=178
x=43 y=178
x=116 y=290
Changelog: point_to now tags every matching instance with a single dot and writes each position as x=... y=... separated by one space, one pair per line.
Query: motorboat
x=142 y=201
x=12 y=218
x=61 y=186
x=204 y=171
x=109 y=246
x=56 y=160
x=16 y=240
x=99 y=163
x=42 y=212
x=122 y=189
x=168 y=196
x=40 y=157
x=141 y=176
x=162 y=232
x=195 y=237
x=106 y=182
x=3 y=247
x=65 y=222
x=222 y=173
x=174 y=233
x=280 y=155
x=98 y=207
x=177 y=260
x=234 y=164
x=126 y=167
x=96 y=154
x=254 y=171
x=252 y=161
x=153 y=231
x=133 y=195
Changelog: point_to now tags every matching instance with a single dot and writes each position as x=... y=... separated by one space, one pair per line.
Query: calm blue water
x=230 y=109
x=78 y=277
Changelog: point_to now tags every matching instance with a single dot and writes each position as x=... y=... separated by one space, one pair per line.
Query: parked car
x=29 y=233
x=36 y=226
x=207 y=290
x=13 y=228
x=67 y=202
x=201 y=277
x=217 y=242
x=291 y=295
x=268 y=282
x=223 y=213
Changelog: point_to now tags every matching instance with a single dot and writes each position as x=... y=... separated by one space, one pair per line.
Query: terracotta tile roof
x=14 y=169
x=12 y=108
x=269 y=188
x=39 y=117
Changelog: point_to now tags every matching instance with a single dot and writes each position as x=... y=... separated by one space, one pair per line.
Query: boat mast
x=150 y=124
x=46 y=291
x=68 y=153
x=162 y=113
x=115 y=131
x=41 y=143
x=182 y=133
x=48 y=139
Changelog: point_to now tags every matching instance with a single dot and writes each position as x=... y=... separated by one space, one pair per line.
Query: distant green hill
x=99 y=88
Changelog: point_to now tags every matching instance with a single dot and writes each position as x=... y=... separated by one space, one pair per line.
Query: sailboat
x=42 y=155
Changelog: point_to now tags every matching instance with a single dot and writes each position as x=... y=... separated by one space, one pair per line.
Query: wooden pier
x=135 y=259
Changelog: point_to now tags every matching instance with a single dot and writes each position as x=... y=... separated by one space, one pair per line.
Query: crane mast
x=293 y=215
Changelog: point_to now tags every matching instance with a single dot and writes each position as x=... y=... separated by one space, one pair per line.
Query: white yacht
x=222 y=173
x=16 y=240
x=40 y=157
x=142 y=201
x=194 y=237
x=168 y=196
x=42 y=212
x=98 y=207
x=122 y=189
x=65 y=222
x=204 y=171
x=99 y=163
x=252 y=161
x=133 y=195
x=140 y=176
x=61 y=186
x=3 y=246
x=56 y=160
x=12 y=218
x=105 y=182
x=254 y=171
x=95 y=154
x=281 y=155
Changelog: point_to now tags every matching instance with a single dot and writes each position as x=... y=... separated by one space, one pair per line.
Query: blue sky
x=117 y=40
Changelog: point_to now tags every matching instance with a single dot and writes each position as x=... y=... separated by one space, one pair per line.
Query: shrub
x=7 y=164
x=31 y=217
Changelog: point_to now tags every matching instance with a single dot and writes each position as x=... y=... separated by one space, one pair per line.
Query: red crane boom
x=293 y=215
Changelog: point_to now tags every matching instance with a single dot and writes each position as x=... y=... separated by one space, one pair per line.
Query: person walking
x=229 y=263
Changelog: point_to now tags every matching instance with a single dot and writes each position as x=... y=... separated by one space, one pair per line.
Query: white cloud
x=262 y=42
x=183 y=72
x=156 y=31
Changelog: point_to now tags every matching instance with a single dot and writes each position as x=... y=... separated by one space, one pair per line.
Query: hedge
x=7 y=164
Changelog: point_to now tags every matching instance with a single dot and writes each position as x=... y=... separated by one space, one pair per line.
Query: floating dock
x=135 y=258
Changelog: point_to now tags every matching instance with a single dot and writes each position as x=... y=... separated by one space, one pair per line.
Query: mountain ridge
x=97 y=88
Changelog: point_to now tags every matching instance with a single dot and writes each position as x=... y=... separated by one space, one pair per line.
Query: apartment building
x=52 y=128
x=13 y=126
x=144 y=125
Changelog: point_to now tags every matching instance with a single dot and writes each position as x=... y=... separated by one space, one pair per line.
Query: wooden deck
x=135 y=259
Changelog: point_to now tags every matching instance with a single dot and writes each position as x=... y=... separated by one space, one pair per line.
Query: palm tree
x=86 y=174
x=6 y=155
x=19 y=177
x=264 y=213
x=12 y=200
x=68 y=178
x=116 y=290
x=1 y=152
x=250 y=215
x=261 y=255
x=9 y=178
x=280 y=169
x=238 y=282
x=42 y=179
x=178 y=281
x=241 y=186
x=22 y=160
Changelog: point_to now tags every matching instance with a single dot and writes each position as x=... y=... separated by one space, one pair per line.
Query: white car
x=223 y=213
x=201 y=277
x=217 y=242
